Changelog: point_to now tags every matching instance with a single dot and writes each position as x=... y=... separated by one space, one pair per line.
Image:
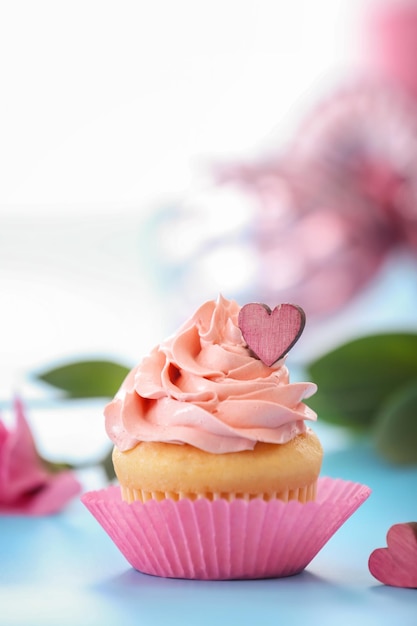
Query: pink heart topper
x=271 y=334
x=396 y=565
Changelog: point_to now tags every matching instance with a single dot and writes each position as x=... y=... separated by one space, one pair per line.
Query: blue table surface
x=64 y=569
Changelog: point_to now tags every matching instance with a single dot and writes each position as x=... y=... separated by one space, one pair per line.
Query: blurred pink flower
x=389 y=42
x=26 y=487
x=337 y=200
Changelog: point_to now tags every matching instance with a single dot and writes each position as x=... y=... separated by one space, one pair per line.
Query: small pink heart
x=396 y=565
x=271 y=334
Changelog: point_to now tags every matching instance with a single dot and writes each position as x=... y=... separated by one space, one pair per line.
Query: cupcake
x=218 y=470
x=203 y=417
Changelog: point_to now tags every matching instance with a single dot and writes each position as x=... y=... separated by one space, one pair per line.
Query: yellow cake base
x=303 y=494
x=162 y=470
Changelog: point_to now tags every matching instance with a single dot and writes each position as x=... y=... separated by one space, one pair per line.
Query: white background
x=108 y=110
x=109 y=102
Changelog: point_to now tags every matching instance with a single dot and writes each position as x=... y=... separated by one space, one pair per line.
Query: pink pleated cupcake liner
x=221 y=540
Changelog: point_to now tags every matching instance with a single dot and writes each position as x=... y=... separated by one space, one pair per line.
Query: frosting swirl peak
x=202 y=386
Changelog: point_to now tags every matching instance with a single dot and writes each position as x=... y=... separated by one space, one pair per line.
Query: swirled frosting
x=203 y=387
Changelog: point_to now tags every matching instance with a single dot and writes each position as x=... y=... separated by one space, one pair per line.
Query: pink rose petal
x=225 y=540
x=26 y=487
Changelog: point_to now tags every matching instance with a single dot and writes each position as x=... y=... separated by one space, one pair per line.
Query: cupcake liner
x=221 y=540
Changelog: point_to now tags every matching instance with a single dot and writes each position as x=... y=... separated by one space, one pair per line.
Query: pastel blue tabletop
x=64 y=569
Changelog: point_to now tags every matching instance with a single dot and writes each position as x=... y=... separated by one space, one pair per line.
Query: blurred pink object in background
x=337 y=200
x=327 y=210
x=26 y=486
x=390 y=40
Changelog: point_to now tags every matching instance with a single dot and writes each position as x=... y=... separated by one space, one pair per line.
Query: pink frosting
x=203 y=387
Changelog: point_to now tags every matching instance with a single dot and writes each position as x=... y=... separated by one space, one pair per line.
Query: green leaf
x=396 y=427
x=107 y=464
x=87 y=379
x=355 y=379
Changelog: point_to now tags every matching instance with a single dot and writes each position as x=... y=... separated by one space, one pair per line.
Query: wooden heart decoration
x=271 y=334
x=396 y=565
